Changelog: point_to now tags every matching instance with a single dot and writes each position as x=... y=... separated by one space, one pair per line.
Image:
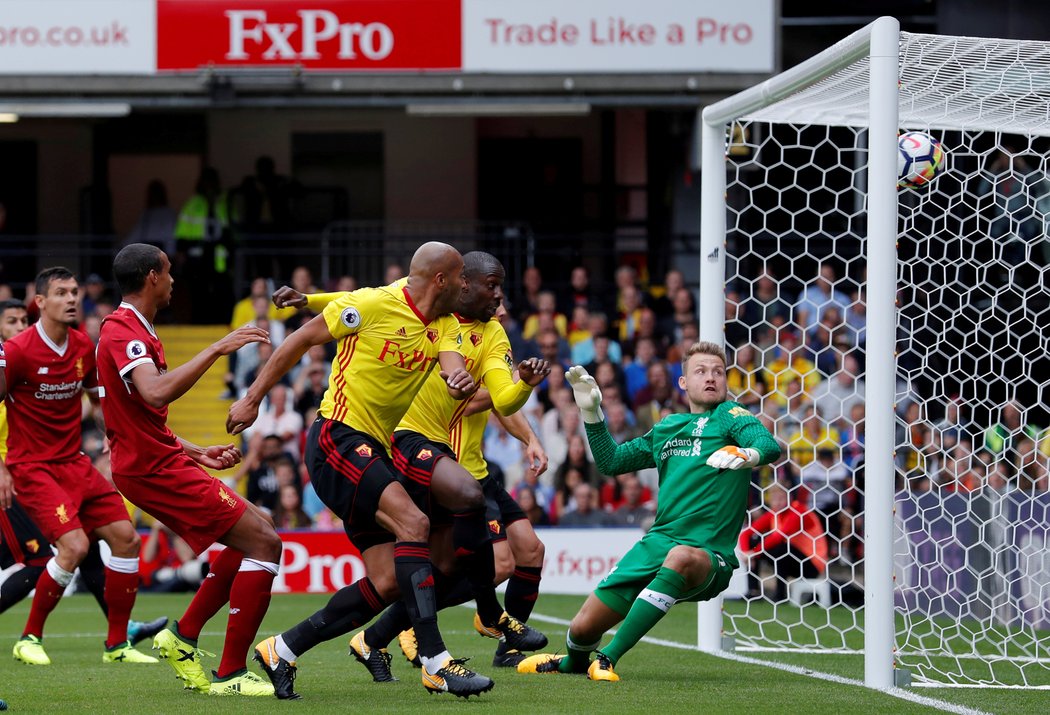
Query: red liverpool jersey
x=45 y=385
x=139 y=438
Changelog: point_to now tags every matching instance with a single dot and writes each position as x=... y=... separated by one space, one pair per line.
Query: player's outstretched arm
x=610 y=458
x=508 y=395
x=159 y=389
x=518 y=426
x=244 y=411
x=288 y=297
x=480 y=402
x=587 y=394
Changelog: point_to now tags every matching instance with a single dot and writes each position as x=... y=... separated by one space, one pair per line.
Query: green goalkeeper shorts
x=639 y=566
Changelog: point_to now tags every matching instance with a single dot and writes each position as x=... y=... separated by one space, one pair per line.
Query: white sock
x=124 y=565
x=437 y=662
x=59 y=574
x=256 y=565
x=283 y=650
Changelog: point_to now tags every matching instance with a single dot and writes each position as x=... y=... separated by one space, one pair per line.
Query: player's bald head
x=437 y=272
x=435 y=257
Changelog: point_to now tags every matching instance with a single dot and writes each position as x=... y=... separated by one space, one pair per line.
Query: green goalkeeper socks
x=648 y=608
x=577 y=655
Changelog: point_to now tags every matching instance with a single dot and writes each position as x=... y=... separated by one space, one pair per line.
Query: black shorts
x=21 y=542
x=349 y=471
x=500 y=508
x=415 y=457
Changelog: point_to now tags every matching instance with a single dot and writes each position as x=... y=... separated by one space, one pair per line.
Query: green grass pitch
x=655 y=678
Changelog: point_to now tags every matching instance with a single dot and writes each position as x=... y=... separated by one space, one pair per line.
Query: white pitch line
x=942 y=705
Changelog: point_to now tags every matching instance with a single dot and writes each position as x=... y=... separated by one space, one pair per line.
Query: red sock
x=212 y=595
x=121 y=589
x=48 y=594
x=249 y=599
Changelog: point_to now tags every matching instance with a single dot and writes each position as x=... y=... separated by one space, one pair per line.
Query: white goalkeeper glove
x=586 y=393
x=734 y=458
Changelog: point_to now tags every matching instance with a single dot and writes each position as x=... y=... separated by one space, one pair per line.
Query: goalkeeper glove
x=586 y=393
x=733 y=458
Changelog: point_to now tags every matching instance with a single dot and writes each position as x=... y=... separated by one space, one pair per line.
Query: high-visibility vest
x=194 y=224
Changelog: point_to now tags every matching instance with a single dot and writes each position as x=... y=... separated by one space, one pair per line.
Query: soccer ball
x=920 y=158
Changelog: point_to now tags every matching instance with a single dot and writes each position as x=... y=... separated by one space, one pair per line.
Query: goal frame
x=880 y=42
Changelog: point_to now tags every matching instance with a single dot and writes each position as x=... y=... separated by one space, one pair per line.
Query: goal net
x=953 y=559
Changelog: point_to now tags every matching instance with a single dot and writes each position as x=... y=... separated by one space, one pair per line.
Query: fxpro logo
x=315 y=31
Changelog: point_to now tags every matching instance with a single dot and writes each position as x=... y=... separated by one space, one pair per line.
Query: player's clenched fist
x=587 y=394
x=288 y=297
x=243 y=414
x=733 y=458
x=460 y=383
x=533 y=371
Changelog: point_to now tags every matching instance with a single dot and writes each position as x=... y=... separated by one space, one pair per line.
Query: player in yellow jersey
x=389 y=341
x=518 y=551
x=441 y=487
x=444 y=489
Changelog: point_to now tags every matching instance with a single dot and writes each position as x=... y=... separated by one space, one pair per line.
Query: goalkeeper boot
x=409 y=646
x=281 y=672
x=29 y=650
x=541 y=663
x=139 y=631
x=124 y=653
x=376 y=660
x=453 y=677
x=185 y=659
x=513 y=632
x=507 y=657
x=602 y=668
x=242 y=682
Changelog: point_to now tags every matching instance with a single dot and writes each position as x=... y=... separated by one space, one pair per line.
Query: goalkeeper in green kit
x=704 y=458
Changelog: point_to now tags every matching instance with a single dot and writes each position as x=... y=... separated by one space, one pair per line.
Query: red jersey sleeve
x=126 y=349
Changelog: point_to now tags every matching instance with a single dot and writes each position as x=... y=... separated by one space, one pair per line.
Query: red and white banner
x=314 y=562
x=577 y=559
x=326 y=35
x=618 y=36
x=77 y=37
x=72 y=37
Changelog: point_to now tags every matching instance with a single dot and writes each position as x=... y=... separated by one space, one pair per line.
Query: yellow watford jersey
x=486 y=351
x=467 y=438
x=387 y=349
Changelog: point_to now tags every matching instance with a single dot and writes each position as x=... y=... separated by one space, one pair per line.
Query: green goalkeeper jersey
x=697 y=505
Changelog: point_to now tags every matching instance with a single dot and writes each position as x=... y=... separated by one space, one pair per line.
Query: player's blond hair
x=705 y=347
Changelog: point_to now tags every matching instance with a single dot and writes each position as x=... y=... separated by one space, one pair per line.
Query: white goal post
x=801 y=171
